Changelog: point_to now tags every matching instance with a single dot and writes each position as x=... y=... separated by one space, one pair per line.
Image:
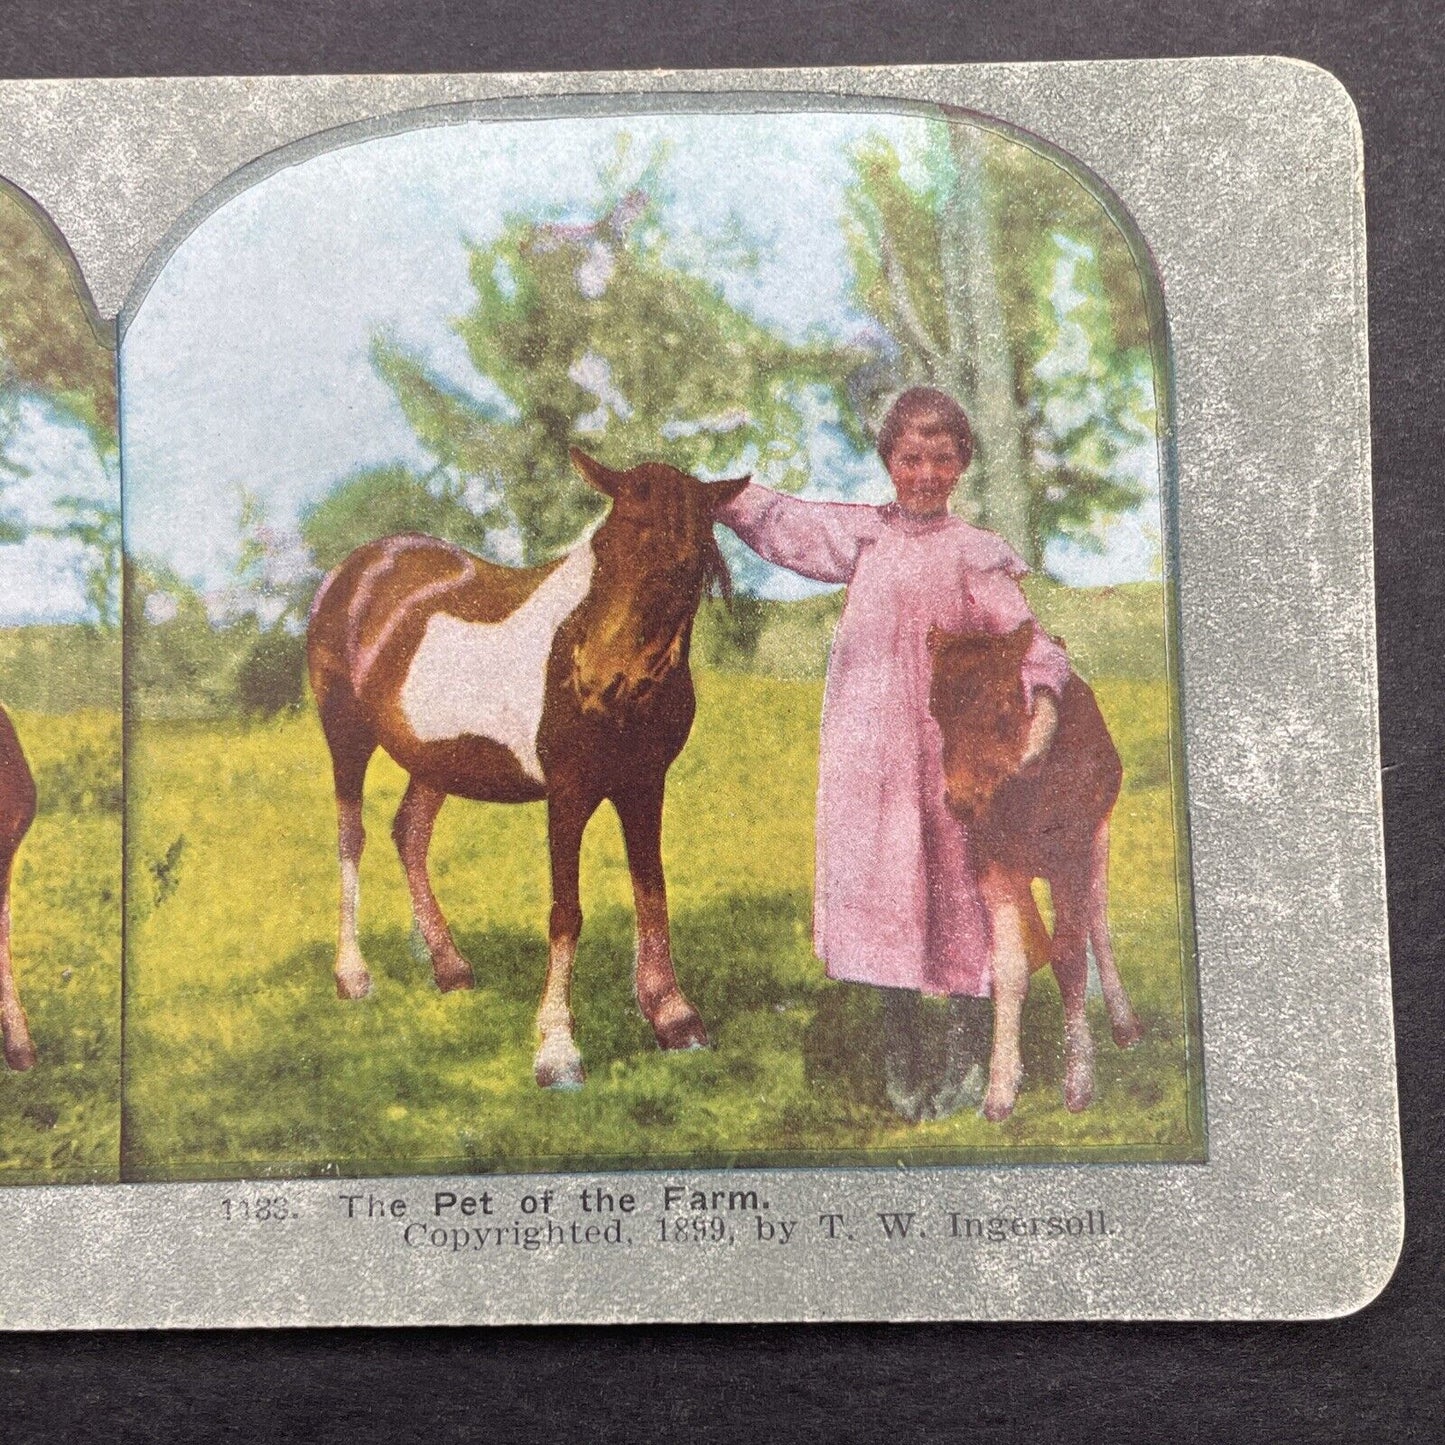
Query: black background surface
x=1379 y=1375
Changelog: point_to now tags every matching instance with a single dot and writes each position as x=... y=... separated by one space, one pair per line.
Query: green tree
x=991 y=272
x=52 y=351
x=96 y=527
x=178 y=662
x=378 y=501
x=49 y=347
x=602 y=333
x=228 y=653
x=263 y=612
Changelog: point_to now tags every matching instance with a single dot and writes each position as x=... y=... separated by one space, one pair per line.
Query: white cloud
x=41 y=579
x=593 y=372
x=247 y=364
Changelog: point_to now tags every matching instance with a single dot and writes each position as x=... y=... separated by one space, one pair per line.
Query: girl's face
x=924 y=468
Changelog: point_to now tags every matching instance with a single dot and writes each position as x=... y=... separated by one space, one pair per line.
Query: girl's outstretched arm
x=1002 y=607
x=821 y=540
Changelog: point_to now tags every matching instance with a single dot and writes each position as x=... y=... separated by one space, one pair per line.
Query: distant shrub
x=184 y=663
x=57 y=668
x=272 y=676
x=773 y=639
x=725 y=636
x=1109 y=631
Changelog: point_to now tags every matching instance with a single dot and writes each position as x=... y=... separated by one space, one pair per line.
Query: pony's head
x=977 y=696
x=656 y=557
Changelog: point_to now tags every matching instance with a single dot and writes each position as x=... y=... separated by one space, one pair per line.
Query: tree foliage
x=600 y=332
x=51 y=353
x=179 y=662
x=96 y=527
x=379 y=501
x=235 y=649
x=1051 y=288
x=48 y=346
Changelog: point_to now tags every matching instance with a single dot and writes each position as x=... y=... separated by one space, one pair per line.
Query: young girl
x=896 y=899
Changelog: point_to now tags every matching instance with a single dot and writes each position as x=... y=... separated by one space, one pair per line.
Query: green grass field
x=242 y=1062
x=60 y=1121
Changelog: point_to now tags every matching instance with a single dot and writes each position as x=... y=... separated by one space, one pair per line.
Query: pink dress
x=896 y=900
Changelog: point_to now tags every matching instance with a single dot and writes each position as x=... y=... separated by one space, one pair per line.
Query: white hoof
x=1079 y=1073
x=558 y=1064
x=352 y=981
x=1003 y=1092
x=998 y=1105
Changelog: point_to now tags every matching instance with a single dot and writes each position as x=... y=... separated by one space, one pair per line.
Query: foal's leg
x=1003 y=896
x=411 y=832
x=558 y=1064
x=675 y=1022
x=19 y=1050
x=1127 y=1028
x=1071 y=968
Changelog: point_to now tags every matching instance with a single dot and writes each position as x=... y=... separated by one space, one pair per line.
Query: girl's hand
x=1041 y=729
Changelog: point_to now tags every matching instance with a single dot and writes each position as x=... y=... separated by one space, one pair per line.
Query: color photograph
x=650 y=639
x=60 y=724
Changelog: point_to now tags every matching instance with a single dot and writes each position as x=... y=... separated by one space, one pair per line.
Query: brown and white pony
x=1047 y=820
x=567 y=683
x=17 y=812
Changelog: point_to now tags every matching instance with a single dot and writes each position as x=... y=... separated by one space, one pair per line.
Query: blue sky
x=272 y=302
x=246 y=364
x=41 y=580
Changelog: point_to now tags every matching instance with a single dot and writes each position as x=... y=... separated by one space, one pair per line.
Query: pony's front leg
x=674 y=1021
x=1009 y=963
x=558 y=1064
x=19 y=1049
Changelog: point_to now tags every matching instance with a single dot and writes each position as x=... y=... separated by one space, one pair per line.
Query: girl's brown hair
x=930 y=411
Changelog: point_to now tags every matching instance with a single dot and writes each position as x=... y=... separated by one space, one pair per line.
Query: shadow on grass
x=60 y=1121
x=270 y=1066
x=273 y=1074
x=843 y=1045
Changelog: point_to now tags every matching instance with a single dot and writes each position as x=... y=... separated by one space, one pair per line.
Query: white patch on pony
x=489 y=679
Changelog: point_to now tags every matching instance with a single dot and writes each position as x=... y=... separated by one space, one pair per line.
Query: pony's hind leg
x=1071 y=969
x=353 y=980
x=352 y=745
x=675 y=1022
x=1004 y=895
x=1125 y=1023
x=411 y=832
x=19 y=1048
